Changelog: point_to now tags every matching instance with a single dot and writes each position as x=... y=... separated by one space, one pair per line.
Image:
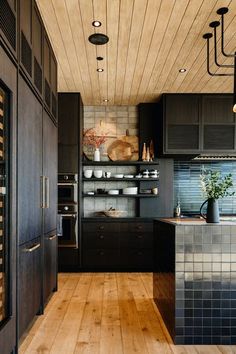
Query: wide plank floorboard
x=105 y=313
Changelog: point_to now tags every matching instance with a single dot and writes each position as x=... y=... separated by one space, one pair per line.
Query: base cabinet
x=130 y=247
x=29 y=302
x=50 y=265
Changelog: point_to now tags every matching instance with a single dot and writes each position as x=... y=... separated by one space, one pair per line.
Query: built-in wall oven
x=68 y=210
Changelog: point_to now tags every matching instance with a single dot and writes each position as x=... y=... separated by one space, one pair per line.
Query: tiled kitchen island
x=194 y=280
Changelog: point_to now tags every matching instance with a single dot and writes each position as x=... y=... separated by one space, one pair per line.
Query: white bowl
x=97 y=173
x=128 y=176
x=130 y=190
x=118 y=175
x=88 y=173
x=113 y=191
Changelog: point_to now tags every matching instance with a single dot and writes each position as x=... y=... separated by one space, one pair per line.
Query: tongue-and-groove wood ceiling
x=150 y=40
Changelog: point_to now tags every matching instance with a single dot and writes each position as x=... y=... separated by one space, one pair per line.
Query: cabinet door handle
x=101 y=227
x=33 y=248
x=42 y=201
x=47 y=192
x=101 y=237
x=52 y=237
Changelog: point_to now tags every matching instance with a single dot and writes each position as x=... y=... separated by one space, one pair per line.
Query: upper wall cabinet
x=218 y=123
x=191 y=124
x=26 y=36
x=37 y=38
x=8 y=24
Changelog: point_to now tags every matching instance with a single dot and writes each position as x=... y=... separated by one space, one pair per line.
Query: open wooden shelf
x=120 y=195
x=113 y=179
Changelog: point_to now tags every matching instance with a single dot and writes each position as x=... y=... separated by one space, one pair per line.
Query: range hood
x=215 y=157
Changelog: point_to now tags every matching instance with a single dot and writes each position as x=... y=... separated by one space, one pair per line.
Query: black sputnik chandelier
x=222 y=11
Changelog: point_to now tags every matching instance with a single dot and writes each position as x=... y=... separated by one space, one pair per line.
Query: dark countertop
x=112 y=219
x=193 y=222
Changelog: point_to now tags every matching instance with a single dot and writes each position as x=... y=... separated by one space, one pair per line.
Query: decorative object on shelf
x=214 y=186
x=96 y=156
x=101 y=191
x=144 y=152
x=221 y=11
x=177 y=211
x=125 y=148
x=155 y=190
x=146 y=174
x=106 y=174
x=151 y=151
x=113 y=191
x=148 y=154
x=130 y=190
x=93 y=140
x=112 y=213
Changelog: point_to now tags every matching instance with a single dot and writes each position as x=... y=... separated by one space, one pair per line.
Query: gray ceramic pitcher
x=212 y=214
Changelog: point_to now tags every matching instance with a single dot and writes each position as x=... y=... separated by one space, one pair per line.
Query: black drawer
x=136 y=227
x=100 y=258
x=136 y=240
x=136 y=258
x=100 y=239
x=100 y=226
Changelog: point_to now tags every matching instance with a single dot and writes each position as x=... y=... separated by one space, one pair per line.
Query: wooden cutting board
x=125 y=148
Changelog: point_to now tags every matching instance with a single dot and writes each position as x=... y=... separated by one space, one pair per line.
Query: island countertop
x=195 y=221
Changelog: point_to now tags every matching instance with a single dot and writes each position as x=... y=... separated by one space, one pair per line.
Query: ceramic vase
x=212 y=214
x=96 y=155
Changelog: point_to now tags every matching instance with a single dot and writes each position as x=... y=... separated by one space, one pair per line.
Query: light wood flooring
x=105 y=313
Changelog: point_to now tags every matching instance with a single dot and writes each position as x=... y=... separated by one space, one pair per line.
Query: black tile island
x=194 y=280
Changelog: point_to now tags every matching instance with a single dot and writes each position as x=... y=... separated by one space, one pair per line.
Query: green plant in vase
x=214 y=186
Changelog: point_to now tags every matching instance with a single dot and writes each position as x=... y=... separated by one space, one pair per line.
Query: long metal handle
x=42 y=201
x=71 y=215
x=47 y=192
x=33 y=248
x=52 y=237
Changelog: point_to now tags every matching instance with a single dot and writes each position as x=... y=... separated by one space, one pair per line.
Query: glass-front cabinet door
x=4 y=241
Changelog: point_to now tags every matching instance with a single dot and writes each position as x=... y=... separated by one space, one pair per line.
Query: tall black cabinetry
x=8 y=112
x=70 y=151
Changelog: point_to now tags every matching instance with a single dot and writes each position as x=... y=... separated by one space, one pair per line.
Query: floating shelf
x=120 y=195
x=113 y=179
x=120 y=163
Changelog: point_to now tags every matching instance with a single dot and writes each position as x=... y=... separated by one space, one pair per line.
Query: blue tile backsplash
x=187 y=187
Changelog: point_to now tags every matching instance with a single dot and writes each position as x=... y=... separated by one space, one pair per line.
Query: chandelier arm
x=215 y=54
x=228 y=55
x=208 y=62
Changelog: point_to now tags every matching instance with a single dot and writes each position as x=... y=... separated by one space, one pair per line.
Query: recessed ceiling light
x=100 y=70
x=106 y=100
x=99 y=58
x=96 y=23
x=182 y=70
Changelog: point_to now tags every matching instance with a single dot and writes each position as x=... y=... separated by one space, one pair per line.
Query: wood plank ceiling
x=149 y=41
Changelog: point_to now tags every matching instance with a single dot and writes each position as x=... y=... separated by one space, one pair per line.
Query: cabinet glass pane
x=3 y=209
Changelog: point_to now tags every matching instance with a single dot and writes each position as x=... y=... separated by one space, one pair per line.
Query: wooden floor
x=105 y=313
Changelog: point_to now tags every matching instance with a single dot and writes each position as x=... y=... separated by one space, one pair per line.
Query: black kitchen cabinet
x=30 y=283
x=120 y=245
x=29 y=164
x=8 y=229
x=50 y=173
x=50 y=264
x=193 y=124
x=8 y=24
x=26 y=36
x=37 y=38
x=218 y=123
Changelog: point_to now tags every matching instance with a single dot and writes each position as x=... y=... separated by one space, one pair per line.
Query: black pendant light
x=222 y=11
x=98 y=38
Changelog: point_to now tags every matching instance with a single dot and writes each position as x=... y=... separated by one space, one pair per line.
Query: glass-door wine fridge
x=4 y=197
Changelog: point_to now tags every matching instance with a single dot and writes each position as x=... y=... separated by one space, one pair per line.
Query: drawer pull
x=139 y=227
x=101 y=253
x=52 y=237
x=101 y=237
x=139 y=236
x=101 y=227
x=33 y=248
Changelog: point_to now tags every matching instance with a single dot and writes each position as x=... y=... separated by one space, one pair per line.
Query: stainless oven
x=67 y=188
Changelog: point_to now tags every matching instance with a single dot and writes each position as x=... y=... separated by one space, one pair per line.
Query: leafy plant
x=215 y=186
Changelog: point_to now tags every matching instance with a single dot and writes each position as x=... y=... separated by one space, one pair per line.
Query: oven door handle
x=69 y=215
